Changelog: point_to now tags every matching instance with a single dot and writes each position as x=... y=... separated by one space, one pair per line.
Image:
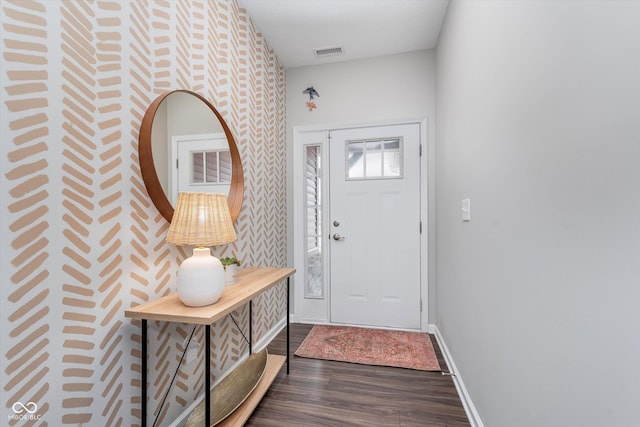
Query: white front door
x=375 y=226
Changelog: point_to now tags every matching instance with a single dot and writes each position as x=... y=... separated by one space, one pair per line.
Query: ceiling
x=363 y=28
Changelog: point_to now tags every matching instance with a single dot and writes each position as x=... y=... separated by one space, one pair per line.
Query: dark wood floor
x=319 y=393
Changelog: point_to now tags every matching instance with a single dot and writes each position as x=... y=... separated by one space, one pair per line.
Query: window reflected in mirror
x=210 y=167
x=203 y=163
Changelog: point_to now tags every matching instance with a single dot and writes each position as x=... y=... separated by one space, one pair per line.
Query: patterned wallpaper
x=80 y=239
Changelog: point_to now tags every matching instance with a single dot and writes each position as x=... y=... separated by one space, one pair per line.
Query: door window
x=374 y=158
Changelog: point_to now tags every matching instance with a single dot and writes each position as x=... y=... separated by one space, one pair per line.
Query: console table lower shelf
x=237 y=395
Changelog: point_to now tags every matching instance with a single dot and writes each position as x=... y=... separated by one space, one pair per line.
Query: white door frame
x=321 y=315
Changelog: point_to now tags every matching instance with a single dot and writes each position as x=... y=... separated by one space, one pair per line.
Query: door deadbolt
x=336 y=224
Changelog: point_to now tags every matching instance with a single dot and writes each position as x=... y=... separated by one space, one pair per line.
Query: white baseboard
x=311 y=321
x=270 y=335
x=465 y=398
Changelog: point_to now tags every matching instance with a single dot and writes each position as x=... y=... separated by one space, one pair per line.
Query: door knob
x=338 y=237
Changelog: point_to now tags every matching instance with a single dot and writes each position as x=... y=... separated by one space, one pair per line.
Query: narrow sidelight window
x=313 y=223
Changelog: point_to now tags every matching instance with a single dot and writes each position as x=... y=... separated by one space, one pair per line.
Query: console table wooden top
x=252 y=281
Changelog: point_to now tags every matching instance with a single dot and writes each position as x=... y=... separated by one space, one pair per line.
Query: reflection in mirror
x=205 y=164
x=185 y=145
x=186 y=136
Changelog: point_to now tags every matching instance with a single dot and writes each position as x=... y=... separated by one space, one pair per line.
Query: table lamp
x=201 y=220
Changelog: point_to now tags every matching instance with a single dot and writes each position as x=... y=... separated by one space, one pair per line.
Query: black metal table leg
x=288 y=325
x=143 y=368
x=250 y=326
x=207 y=376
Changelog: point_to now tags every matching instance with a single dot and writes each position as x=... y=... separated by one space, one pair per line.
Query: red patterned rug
x=401 y=349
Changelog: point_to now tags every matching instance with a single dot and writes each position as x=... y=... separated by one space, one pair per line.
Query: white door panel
x=375 y=267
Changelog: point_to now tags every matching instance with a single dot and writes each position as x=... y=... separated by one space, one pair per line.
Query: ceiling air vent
x=328 y=51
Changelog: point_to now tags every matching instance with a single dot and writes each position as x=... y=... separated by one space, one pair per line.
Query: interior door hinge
x=420 y=227
x=420 y=304
x=420 y=150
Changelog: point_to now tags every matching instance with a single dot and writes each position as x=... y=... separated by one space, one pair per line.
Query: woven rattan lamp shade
x=201 y=219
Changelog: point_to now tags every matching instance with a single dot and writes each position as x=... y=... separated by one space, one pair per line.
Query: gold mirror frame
x=150 y=175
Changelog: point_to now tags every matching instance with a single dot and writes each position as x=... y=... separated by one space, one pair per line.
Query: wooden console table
x=252 y=281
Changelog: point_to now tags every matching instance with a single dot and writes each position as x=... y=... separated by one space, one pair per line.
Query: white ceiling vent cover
x=328 y=51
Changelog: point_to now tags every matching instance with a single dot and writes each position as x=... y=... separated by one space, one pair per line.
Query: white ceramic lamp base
x=200 y=279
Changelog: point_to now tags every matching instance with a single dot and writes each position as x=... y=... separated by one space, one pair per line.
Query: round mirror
x=185 y=145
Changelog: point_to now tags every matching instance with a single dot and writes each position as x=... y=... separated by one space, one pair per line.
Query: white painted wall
x=383 y=88
x=538 y=296
x=386 y=88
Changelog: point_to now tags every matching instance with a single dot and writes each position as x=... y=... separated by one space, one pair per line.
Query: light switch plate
x=466 y=210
